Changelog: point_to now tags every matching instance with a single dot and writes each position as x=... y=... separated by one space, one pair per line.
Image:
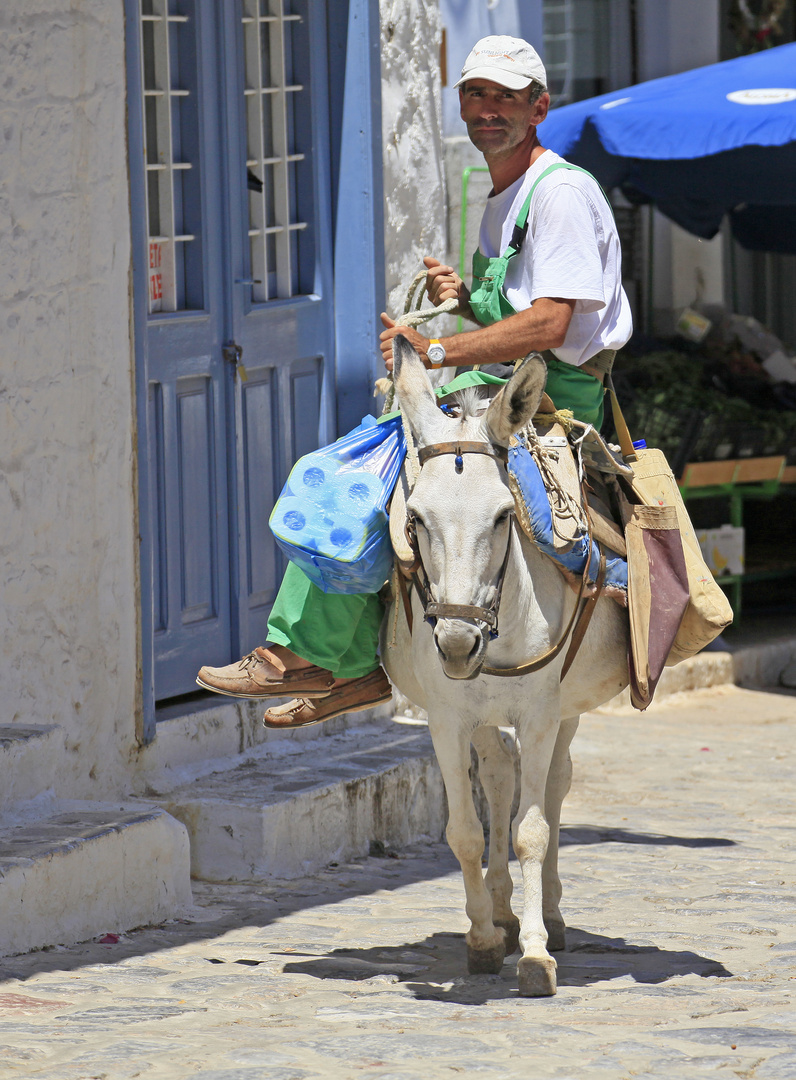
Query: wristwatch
x=436 y=353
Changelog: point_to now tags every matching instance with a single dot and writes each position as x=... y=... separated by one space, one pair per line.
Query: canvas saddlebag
x=676 y=606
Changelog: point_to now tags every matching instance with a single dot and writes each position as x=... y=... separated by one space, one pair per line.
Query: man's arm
x=542 y=326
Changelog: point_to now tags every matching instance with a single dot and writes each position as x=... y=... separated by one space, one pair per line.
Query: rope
x=562 y=505
x=564 y=417
x=386 y=386
x=413 y=319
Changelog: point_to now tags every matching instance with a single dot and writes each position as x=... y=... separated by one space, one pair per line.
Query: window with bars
x=577 y=51
x=171 y=148
x=277 y=141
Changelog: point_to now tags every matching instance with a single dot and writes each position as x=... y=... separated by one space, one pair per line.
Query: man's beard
x=491 y=142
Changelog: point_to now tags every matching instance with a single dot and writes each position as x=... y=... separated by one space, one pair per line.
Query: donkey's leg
x=559 y=779
x=496 y=770
x=536 y=969
x=485 y=942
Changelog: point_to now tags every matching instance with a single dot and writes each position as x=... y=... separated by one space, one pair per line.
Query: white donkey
x=463 y=512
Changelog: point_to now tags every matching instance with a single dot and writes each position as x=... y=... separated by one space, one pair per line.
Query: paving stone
x=779 y=1067
x=679 y=880
x=286 y=1073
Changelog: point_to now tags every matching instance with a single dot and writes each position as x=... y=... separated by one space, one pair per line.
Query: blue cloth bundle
x=525 y=472
x=331 y=517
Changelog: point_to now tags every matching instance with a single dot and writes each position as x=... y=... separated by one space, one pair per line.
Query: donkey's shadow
x=435 y=969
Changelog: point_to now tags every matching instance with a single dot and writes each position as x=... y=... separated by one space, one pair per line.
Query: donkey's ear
x=413 y=387
x=519 y=399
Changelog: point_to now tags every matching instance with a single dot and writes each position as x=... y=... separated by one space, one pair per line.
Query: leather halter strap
x=581 y=614
x=432 y=609
x=459 y=448
x=489 y=615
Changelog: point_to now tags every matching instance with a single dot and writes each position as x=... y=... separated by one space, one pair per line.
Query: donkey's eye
x=501 y=519
x=419 y=523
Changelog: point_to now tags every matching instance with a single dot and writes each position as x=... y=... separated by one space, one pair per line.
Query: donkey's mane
x=470 y=402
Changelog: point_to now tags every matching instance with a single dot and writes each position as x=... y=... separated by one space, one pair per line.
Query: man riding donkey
x=546 y=278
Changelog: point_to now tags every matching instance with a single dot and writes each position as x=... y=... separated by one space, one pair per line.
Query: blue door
x=235 y=341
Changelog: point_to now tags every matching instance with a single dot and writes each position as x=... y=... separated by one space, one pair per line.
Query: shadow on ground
x=440 y=959
x=595 y=834
x=222 y=907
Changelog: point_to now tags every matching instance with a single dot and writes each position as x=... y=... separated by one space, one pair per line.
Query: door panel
x=197 y=475
x=280 y=248
x=279 y=420
x=229 y=90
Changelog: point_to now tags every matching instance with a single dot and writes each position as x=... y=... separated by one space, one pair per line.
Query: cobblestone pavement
x=678 y=867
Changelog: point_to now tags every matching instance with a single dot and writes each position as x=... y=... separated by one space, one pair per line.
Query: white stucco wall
x=414 y=179
x=68 y=638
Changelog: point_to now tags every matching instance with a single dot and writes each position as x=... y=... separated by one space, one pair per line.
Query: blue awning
x=713 y=141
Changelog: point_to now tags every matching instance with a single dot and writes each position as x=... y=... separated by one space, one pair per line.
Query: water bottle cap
x=640 y=444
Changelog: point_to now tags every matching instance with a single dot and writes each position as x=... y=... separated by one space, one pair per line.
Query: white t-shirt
x=571 y=250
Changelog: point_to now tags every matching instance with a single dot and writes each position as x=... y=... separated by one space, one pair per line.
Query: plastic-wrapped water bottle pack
x=331 y=516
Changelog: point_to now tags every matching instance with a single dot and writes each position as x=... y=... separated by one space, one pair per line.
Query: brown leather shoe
x=263 y=675
x=363 y=693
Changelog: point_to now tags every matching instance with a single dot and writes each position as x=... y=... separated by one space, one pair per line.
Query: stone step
x=299 y=802
x=28 y=760
x=289 y=808
x=88 y=868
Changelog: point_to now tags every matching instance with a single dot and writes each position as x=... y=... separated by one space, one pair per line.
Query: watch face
x=436 y=354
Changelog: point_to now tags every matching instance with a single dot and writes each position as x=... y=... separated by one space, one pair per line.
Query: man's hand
x=443 y=283
x=412 y=337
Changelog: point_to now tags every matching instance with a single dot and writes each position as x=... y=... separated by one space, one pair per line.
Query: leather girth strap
x=588 y=610
x=406 y=599
x=579 y=621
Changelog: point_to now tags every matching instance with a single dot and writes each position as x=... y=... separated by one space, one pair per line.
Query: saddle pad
x=535 y=516
x=559 y=462
x=400 y=544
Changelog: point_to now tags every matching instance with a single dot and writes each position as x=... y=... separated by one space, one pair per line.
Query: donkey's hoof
x=537 y=976
x=485 y=961
x=512 y=928
x=556 y=935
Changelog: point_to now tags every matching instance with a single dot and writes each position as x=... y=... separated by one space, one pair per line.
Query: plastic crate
x=750 y=442
x=673 y=432
x=715 y=441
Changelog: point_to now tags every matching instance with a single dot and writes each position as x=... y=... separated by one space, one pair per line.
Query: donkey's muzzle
x=461 y=646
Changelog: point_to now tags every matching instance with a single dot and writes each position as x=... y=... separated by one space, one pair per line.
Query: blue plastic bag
x=331 y=517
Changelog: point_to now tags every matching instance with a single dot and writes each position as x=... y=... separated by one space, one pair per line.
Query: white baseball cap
x=507 y=61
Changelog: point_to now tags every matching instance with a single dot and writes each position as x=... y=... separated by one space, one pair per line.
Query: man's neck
x=505 y=171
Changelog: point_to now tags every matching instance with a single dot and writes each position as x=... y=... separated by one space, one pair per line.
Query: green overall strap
x=488 y=301
x=521 y=225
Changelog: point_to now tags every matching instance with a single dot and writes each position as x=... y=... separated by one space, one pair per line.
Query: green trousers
x=340 y=632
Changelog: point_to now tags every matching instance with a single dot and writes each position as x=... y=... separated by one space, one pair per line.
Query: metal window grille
x=271 y=101
x=559 y=48
x=172 y=286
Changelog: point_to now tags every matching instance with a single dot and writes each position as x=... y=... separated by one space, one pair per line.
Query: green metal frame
x=463 y=229
x=736 y=494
